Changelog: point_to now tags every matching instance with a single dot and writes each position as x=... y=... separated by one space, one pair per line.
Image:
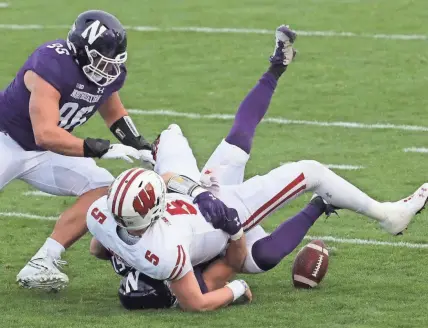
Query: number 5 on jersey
x=152 y=258
x=98 y=215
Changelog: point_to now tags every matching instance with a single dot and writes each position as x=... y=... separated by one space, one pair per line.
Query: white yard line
x=370 y=242
x=4 y=5
x=202 y=29
x=415 y=150
x=344 y=167
x=338 y=166
x=37 y=193
x=279 y=120
x=364 y=242
x=28 y=216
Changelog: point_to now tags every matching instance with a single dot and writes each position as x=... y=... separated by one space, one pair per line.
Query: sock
x=251 y=111
x=277 y=70
x=53 y=248
x=270 y=250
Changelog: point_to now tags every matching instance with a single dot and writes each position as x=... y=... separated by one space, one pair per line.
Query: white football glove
x=209 y=181
x=146 y=157
x=119 y=151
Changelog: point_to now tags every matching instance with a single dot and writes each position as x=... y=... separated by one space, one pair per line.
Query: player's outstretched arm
x=190 y=297
x=45 y=115
x=120 y=124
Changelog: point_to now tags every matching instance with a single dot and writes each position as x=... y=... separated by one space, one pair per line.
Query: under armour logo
x=100 y=90
x=236 y=220
x=212 y=197
x=80 y=86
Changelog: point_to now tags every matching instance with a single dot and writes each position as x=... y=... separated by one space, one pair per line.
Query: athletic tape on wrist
x=238 y=288
x=237 y=235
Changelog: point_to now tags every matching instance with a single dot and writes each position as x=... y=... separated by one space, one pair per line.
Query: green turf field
x=363 y=78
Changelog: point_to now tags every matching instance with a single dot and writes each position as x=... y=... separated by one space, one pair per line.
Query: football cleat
x=283 y=53
x=399 y=214
x=43 y=272
x=327 y=208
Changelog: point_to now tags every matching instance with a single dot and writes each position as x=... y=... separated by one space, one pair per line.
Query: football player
x=126 y=221
x=60 y=86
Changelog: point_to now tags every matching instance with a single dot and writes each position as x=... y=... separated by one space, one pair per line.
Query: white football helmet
x=137 y=198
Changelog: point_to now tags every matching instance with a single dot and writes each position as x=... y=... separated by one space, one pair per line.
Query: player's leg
x=11 y=165
x=228 y=161
x=266 y=251
x=262 y=195
x=62 y=175
x=172 y=153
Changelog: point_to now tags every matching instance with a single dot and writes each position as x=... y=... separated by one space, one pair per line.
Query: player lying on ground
x=61 y=85
x=163 y=248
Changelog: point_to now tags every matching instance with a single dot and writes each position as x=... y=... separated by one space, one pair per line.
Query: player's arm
x=236 y=254
x=120 y=124
x=44 y=115
x=98 y=250
x=190 y=297
x=223 y=270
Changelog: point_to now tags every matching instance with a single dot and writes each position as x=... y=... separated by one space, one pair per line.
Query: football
x=310 y=265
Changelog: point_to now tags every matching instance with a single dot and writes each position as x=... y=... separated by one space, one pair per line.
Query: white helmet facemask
x=103 y=70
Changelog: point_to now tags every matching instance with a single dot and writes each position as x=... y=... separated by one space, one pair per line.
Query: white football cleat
x=283 y=53
x=43 y=272
x=399 y=214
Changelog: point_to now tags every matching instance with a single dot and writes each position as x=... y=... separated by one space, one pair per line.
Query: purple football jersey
x=80 y=98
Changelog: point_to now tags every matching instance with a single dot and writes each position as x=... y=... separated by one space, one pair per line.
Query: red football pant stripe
x=253 y=220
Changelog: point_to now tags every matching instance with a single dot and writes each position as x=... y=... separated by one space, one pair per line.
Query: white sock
x=53 y=248
x=339 y=192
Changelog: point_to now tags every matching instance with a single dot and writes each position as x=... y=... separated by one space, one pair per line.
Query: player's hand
x=218 y=214
x=146 y=158
x=241 y=292
x=209 y=181
x=119 y=151
x=246 y=298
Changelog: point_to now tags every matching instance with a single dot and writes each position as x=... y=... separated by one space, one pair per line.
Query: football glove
x=118 y=151
x=219 y=215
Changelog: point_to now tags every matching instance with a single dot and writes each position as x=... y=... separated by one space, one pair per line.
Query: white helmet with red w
x=137 y=198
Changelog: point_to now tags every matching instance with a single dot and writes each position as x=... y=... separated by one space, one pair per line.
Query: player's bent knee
x=313 y=172
x=311 y=165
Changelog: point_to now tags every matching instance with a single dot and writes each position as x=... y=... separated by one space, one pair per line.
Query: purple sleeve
x=46 y=63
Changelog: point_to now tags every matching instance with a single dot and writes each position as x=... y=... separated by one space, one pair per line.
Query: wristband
x=95 y=147
x=238 y=288
x=197 y=191
x=237 y=235
x=126 y=132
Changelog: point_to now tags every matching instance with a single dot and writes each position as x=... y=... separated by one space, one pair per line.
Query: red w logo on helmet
x=145 y=200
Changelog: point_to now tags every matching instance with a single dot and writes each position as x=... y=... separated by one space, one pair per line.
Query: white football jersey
x=170 y=247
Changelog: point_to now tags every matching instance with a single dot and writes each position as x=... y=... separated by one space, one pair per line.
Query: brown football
x=310 y=265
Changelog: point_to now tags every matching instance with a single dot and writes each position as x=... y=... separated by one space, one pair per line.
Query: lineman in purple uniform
x=61 y=85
